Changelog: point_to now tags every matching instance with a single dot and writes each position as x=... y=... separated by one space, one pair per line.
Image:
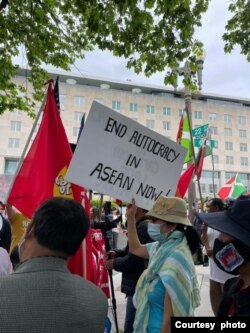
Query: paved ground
x=203 y=310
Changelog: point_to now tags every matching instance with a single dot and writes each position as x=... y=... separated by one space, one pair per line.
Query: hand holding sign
x=129 y=160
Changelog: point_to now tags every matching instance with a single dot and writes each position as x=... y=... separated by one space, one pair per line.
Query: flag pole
x=26 y=146
x=187 y=99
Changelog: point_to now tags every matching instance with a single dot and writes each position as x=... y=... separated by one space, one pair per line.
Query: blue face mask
x=155 y=233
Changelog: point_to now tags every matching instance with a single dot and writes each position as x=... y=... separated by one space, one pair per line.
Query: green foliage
x=238 y=27
x=153 y=35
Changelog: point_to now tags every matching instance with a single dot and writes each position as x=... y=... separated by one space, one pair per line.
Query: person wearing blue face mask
x=231 y=253
x=169 y=286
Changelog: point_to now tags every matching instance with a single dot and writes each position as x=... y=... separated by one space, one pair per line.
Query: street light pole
x=186 y=72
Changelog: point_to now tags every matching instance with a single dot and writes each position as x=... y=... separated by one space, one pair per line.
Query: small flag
x=203 y=152
x=183 y=136
x=199 y=161
x=180 y=129
x=233 y=188
x=184 y=181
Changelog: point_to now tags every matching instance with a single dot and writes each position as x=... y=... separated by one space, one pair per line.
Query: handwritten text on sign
x=121 y=158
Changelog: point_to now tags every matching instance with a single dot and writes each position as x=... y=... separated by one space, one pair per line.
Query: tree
x=153 y=35
x=238 y=27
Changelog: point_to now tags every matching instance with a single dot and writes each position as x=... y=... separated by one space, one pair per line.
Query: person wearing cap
x=168 y=287
x=231 y=253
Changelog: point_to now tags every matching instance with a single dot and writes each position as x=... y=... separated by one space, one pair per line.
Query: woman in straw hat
x=168 y=287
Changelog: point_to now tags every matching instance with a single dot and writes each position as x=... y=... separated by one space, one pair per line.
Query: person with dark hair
x=231 y=253
x=169 y=286
x=217 y=277
x=41 y=295
x=131 y=266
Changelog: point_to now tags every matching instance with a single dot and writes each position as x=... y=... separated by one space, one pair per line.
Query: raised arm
x=135 y=247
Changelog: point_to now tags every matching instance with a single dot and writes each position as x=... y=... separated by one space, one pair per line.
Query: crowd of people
x=157 y=264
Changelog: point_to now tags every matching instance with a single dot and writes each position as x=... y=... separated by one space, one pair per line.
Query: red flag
x=200 y=160
x=180 y=129
x=42 y=174
x=184 y=181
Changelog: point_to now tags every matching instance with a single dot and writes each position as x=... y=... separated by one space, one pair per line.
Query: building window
x=13 y=143
x=133 y=107
x=62 y=99
x=166 y=125
x=228 y=145
x=116 y=105
x=229 y=160
x=197 y=115
x=76 y=131
x=10 y=166
x=15 y=126
x=166 y=111
x=210 y=174
x=212 y=116
x=213 y=188
x=227 y=118
x=229 y=175
x=203 y=188
x=150 y=123
x=216 y=144
x=244 y=161
x=216 y=159
x=150 y=109
x=79 y=100
x=213 y=130
x=242 y=133
x=243 y=147
x=181 y=111
x=228 y=131
x=78 y=115
x=242 y=120
x=244 y=176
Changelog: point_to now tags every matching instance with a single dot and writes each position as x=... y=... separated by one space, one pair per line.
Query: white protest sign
x=117 y=156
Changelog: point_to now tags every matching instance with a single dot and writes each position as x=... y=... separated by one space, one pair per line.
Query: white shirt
x=216 y=274
x=5 y=263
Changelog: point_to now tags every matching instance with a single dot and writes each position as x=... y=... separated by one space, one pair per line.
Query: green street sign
x=200 y=132
x=198 y=142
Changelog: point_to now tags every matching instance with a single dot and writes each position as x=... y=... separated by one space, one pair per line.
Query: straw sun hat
x=170 y=209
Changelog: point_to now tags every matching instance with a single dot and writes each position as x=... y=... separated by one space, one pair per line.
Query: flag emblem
x=61 y=186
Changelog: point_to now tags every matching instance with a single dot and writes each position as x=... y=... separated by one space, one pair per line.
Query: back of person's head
x=107 y=207
x=217 y=203
x=61 y=224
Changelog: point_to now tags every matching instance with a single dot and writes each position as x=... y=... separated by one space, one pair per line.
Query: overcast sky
x=223 y=74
